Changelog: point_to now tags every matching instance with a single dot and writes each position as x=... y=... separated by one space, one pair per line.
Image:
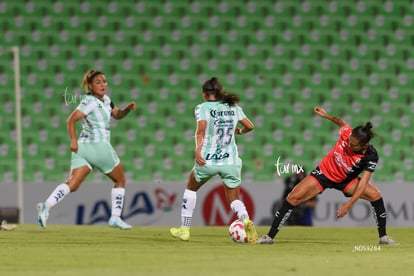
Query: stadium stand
x=282 y=57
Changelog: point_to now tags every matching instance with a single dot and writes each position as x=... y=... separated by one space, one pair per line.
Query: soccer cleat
x=7 y=227
x=117 y=222
x=266 y=239
x=387 y=240
x=250 y=231
x=181 y=233
x=42 y=214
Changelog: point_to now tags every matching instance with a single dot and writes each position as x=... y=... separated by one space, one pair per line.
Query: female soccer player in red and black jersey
x=340 y=169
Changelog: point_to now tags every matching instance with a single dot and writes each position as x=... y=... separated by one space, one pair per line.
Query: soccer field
x=99 y=250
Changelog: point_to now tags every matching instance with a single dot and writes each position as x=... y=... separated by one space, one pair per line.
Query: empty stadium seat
x=282 y=58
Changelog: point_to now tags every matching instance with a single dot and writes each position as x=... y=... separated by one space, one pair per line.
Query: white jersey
x=96 y=125
x=219 y=145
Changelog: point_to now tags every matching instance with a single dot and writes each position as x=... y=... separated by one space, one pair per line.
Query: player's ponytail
x=230 y=98
x=364 y=133
x=214 y=87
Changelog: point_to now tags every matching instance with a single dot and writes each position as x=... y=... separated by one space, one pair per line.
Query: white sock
x=117 y=197
x=239 y=208
x=187 y=208
x=57 y=195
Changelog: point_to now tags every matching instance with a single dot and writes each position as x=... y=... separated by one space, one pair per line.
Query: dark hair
x=363 y=133
x=214 y=87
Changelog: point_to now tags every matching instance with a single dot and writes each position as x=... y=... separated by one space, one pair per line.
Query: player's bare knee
x=372 y=195
x=375 y=195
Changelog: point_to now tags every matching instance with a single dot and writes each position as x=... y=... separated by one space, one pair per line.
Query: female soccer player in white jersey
x=93 y=148
x=216 y=154
x=351 y=156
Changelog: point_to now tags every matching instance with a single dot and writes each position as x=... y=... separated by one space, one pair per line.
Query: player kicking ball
x=216 y=154
x=340 y=169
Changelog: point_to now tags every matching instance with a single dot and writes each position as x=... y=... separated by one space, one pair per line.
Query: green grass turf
x=100 y=250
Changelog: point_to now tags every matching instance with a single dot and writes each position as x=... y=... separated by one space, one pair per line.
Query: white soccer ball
x=237 y=232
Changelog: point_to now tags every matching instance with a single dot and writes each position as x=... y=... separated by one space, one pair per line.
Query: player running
x=340 y=169
x=216 y=154
x=93 y=148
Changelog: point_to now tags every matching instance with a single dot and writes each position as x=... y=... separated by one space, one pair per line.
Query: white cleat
x=266 y=239
x=117 y=222
x=387 y=240
x=42 y=214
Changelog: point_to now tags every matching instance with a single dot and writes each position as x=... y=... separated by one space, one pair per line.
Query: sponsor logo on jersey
x=218 y=155
x=341 y=162
x=214 y=113
x=219 y=122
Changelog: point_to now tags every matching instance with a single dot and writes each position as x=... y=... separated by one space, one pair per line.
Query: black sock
x=280 y=218
x=380 y=216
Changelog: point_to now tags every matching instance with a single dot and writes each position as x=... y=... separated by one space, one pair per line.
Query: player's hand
x=320 y=111
x=74 y=146
x=132 y=106
x=200 y=160
x=342 y=211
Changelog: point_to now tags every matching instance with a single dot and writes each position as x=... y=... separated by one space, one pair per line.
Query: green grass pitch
x=101 y=250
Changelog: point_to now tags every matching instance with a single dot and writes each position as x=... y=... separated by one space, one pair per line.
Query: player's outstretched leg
x=281 y=216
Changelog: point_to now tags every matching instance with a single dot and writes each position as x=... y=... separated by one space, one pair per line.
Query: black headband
x=91 y=76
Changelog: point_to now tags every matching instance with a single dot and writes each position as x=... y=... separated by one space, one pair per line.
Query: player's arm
x=321 y=112
x=121 y=113
x=360 y=187
x=70 y=124
x=247 y=126
x=199 y=139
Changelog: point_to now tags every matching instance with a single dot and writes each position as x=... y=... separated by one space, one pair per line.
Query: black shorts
x=326 y=183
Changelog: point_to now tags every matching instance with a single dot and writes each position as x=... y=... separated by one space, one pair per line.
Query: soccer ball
x=237 y=232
